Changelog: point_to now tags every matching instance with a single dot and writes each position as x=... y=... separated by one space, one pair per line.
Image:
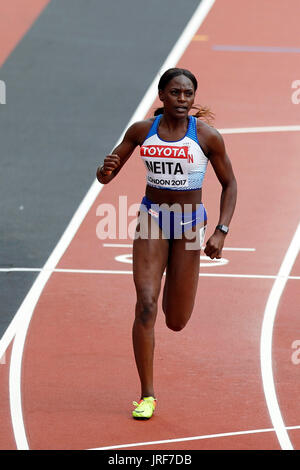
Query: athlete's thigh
x=150 y=255
x=182 y=277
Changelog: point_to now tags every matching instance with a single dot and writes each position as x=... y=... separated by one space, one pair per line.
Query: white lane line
x=194 y=438
x=20 y=323
x=266 y=341
x=116 y=271
x=247 y=130
x=129 y=245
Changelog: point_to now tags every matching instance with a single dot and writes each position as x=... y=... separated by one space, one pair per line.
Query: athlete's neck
x=171 y=123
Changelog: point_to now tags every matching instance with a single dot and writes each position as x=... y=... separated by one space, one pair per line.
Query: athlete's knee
x=175 y=325
x=146 y=308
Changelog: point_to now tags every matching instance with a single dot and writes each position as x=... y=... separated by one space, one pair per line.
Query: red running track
x=78 y=371
x=16 y=17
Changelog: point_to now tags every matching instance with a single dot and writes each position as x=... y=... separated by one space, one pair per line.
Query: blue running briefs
x=174 y=223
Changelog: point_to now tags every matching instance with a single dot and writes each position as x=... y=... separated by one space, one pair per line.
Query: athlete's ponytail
x=203 y=112
x=158 y=111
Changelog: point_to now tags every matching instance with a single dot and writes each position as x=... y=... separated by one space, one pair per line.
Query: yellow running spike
x=145 y=408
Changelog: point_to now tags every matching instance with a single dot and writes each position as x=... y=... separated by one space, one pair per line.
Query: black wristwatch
x=223 y=228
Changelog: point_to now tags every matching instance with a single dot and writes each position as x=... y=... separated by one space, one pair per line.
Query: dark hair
x=175 y=72
x=168 y=75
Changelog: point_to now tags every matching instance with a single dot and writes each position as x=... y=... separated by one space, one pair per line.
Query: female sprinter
x=175 y=148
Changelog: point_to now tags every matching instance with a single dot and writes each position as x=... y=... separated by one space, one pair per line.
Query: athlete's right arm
x=113 y=163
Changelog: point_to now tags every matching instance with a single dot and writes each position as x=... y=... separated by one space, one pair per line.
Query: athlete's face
x=178 y=96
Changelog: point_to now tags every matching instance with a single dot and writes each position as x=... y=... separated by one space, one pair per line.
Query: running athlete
x=176 y=148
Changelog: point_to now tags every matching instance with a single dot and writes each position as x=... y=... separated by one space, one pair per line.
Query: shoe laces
x=145 y=401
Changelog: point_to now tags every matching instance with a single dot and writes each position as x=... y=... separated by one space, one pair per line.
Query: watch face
x=223 y=228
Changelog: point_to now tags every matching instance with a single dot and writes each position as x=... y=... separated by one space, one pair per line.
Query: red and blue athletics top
x=178 y=165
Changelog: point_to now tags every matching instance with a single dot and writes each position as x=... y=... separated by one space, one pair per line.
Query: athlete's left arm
x=224 y=172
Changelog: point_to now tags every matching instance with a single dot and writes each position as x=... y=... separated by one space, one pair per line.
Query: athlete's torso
x=178 y=165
